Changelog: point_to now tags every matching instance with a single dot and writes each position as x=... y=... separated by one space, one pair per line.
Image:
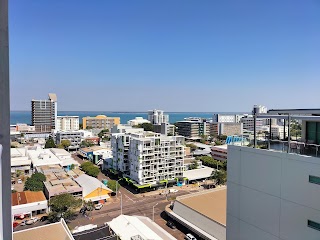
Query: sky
x=174 y=55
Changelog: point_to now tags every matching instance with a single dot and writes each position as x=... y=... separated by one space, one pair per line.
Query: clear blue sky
x=175 y=55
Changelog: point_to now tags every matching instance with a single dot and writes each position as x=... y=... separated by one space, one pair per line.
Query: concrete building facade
x=226 y=128
x=67 y=123
x=147 y=157
x=44 y=114
x=193 y=128
x=272 y=195
x=227 y=118
x=73 y=136
x=100 y=122
x=157 y=117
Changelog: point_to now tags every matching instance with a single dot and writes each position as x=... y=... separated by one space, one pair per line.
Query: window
x=314 y=179
x=314 y=225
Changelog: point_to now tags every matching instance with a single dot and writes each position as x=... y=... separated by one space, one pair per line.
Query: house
x=28 y=203
x=93 y=189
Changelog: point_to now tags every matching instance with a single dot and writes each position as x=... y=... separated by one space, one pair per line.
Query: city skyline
x=175 y=56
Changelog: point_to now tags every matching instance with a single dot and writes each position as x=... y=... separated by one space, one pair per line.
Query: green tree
x=145 y=126
x=220 y=176
x=102 y=133
x=80 y=126
x=223 y=137
x=65 y=143
x=194 y=165
x=192 y=146
x=218 y=142
x=113 y=185
x=90 y=169
x=63 y=206
x=85 y=143
x=50 y=143
x=35 y=182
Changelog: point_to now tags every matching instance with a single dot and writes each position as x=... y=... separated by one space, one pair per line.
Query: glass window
x=314 y=225
x=314 y=179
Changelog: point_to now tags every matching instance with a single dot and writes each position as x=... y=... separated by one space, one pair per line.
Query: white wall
x=269 y=195
x=29 y=207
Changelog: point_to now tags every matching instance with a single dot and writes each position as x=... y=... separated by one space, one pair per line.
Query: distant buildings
x=67 y=123
x=137 y=121
x=203 y=212
x=148 y=158
x=220 y=152
x=248 y=123
x=44 y=114
x=164 y=128
x=225 y=128
x=73 y=136
x=227 y=118
x=100 y=122
x=157 y=117
x=193 y=128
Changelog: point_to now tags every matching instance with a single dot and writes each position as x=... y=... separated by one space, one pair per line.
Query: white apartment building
x=272 y=195
x=137 y=121
x=227 y=118
x=279 y=131
x=67 y=123
x=157 y=117
x=148 y=157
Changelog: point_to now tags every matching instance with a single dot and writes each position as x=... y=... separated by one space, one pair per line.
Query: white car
x=98 y=206
x=189 y=236
x=19 y=181
x=32 y=221
x=172 y=190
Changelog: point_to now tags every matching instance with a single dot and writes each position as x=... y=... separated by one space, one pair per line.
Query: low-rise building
x=100 y=122
x=73 y=136
x=227 y=118
x=67 y=123
x=280 y=132
x=220 y=152
x=164 y=128
x=20 y=161
x=138 y=228
x=92 y=189
x=52 y=231
x=137 y=121
x=204 y=213
x=248 y=123
x=96 y=154
x=28 y=203
x=58 y=182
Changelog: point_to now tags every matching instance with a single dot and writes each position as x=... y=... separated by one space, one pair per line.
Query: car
x=83 y=209
x=19 y=216
x=98 y=206
x=189 y=236
x=15 y=224
x=43 y=218
x=23 y=223
x=32 y=221
x=172 y=190
x=19 y=181
x=171 y=225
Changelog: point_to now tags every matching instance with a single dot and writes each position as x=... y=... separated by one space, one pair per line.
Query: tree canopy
x=63 y=206
x=191 y=146
x=210 y=162
x=64 y=144
x=50 y=143
x=85 y=143
x=35 y=182
x=90 y=169
x=113 y=185
x=145 y=126
x=220 y=176
x=194 y=165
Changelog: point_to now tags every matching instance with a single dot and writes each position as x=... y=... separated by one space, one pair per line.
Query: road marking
x=129 y=198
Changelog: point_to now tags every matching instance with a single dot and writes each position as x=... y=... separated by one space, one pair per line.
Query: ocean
x=25 y=116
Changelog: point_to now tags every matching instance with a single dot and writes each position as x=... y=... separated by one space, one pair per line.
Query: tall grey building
x=44 y=113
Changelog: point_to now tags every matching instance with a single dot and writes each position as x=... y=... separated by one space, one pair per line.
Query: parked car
x=32 y=221
x=83 y=209
x=19 y=181
x=23 y=223
x=171 y=225
x=172 y=190
x=43 y=218
x=98 y=206
x=15 y=224
x=19 y=216
x=189 y=236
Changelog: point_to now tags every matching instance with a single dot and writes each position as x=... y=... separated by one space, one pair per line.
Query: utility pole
x=153 y=211
x=5 y=172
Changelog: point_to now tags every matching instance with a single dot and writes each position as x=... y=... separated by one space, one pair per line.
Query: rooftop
x=199 y=173
x=19 y=198
x=53 y=231
x=211 y=203
x=127 y=227
x=89 y=184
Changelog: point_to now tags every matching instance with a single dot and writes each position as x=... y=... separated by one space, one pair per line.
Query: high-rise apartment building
x=100 y=122
x=67 y=123
x=147 y=157
x=44 y=114
x=157 y=117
